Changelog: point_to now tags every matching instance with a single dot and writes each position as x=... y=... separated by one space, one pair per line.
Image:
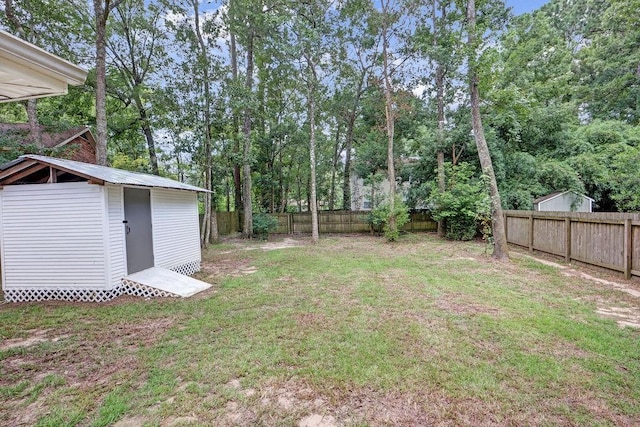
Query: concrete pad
x=168 y=281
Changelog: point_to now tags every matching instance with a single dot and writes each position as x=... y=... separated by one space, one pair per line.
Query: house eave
x=27 y=72
x=74 y=136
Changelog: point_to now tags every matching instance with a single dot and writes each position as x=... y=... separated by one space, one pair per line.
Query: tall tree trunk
x=247 y=228
x=346 y=174
x=299 y=188
x=271 y=170
x=31 y=104
x=101 y=8
x=440 y=110
x=205 y=231
x=10 y=13
x=283 y=186
x=348 y=143
x=389 y=116
x=334 y=166
x=215 y=235
x=500 y=248
x=313 y=203
x=205 y=236
x=236 y=126
x=285 y=197
x=228 y=191
x=309 y=193
x=34 y=124
x=179 y=166
x=148 y=134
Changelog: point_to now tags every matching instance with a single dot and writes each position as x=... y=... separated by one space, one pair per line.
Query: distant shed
x=74 y=231
x=564 y=201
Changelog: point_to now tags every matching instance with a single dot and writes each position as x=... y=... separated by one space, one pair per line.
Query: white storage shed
x=77 y=231
x=564 y=201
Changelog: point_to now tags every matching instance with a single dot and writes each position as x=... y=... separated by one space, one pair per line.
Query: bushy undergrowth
x=263 y=224
x=380 y=218
x=464 y=206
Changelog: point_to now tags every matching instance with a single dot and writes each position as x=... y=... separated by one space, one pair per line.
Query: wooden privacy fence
x=328 y=222
x=608 y=240
x=228 y=222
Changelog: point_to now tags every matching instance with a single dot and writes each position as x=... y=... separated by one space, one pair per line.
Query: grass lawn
x=353 y=331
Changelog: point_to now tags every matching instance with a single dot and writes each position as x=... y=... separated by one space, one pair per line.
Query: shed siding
x=176 y=236
x=116 y=235
x=562 y=203
x=53 y=236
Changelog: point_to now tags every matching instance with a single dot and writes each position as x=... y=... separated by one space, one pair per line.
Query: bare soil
x=627 y=316
x=89 y=362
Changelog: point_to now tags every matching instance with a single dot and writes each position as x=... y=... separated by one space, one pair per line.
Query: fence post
x=531 y=233
x=567 y=244
x=506 y=227
x=628 y=248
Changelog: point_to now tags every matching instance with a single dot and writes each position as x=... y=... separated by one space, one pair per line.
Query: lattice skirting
x=130 y=287
x=83 y=295
x=91 y=295
x=187 y=269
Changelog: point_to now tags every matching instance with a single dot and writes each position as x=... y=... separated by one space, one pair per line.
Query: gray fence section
x=607 y=240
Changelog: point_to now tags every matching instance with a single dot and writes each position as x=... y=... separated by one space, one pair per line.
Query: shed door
x=137 y=212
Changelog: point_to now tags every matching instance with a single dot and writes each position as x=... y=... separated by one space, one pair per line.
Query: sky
x=522 y=6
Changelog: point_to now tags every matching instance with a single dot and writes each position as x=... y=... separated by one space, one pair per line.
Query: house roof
x=26 y=71
x=558 y=194
x=49 y=138
x=95 y=173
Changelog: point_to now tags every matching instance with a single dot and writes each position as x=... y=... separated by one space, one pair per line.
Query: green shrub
x=380 y=216
x=263 y=224
x=464 y=206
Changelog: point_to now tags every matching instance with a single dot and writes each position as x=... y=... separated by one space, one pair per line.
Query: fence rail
x=328 y=222
x=607 y=240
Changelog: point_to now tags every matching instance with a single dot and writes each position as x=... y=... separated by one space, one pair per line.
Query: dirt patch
x=614 y=285
x=34 y=337
x=230 y=263
x=310 y=319
x=317 y=420
x=301 y=403
x=285 y=243
x=130 y=422
x=219 y=268
x=137 y=334
x=275 y=242
x=624 y=316
x=180 y=421
x=456 y=304
x=93 y=360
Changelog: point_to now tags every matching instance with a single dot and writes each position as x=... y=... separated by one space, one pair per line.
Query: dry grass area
x=351 y=332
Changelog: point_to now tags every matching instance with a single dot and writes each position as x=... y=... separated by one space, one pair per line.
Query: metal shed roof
x=26 y=71
x=106 y=174
x=558 y=194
